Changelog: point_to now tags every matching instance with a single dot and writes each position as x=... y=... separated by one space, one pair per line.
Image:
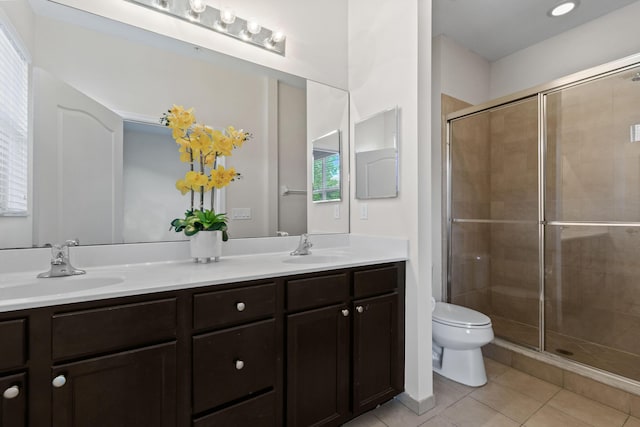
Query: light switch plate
x=364 y=211
x=241 y=213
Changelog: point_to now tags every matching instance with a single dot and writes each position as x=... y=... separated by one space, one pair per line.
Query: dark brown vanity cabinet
x=311 y=349
x=115 y=365
x=345 y=344
x=13 y=385
x=237 y=358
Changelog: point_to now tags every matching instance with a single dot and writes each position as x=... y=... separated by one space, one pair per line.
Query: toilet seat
x=459 y=317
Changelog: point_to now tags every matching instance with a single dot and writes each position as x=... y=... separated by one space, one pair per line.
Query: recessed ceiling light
x=563 y=8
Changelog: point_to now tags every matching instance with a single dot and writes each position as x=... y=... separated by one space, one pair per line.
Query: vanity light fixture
x=223 y=21
x=161 y=4
x=563 y=8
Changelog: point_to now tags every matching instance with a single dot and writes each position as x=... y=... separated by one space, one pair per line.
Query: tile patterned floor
x=510 y=399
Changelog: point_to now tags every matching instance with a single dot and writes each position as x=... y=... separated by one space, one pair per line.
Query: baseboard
x=417 y=406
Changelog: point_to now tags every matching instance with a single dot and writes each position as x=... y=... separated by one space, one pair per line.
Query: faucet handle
x=74 y=242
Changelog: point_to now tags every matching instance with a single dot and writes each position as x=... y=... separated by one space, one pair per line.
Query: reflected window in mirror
x=326 y=167
x=14 y=119
x=376 y=146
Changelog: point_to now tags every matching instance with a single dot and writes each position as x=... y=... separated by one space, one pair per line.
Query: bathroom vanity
x=297 y=348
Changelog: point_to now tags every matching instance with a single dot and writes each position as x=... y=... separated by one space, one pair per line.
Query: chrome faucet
x=60 y=264
x=303 y=246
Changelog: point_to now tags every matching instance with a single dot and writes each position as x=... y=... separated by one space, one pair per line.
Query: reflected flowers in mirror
x=201 y=146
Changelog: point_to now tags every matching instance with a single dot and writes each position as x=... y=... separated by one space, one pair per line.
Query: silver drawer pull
x=239 y=364
x=359 y=309
x=11 y=392
x=240 y=306
x=345 y=312
x=59 y=381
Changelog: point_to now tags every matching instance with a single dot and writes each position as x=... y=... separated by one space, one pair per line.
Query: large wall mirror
x=376 y=148
x=101 y=80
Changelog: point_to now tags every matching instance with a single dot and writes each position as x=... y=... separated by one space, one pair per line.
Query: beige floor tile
x=632 y=422
x=469 y=412
x=395 y=414
x=507 y=401
x=587 y=410
x=365 y=420
x=464 y=389
x=494 y=369
x=548 y=416
x=528 y=385
x=439 y=422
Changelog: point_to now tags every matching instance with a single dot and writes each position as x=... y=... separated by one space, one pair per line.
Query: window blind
x=14 y=110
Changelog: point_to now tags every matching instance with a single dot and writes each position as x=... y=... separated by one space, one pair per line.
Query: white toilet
x=458 y=333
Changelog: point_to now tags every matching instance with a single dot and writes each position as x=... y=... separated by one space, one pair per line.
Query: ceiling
x=497 y=28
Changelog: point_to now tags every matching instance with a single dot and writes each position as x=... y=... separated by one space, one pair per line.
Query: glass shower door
x=592 y=244
x=494 y=227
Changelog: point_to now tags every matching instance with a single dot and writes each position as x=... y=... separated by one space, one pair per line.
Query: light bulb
x=277 y=36
x=563 y=8
x=197 y=6
x=228 y=16
x=253 y=26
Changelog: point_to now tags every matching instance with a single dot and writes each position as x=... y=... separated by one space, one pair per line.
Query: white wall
x=463 y=73
x=381 y=78
x=316 y=31
x=328 y=110
x=16 y=232
x=605 y=39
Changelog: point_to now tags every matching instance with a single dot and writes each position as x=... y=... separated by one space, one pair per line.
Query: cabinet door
x=131 y=389
x=377 y=352
x=318 y=367
x=13 y=408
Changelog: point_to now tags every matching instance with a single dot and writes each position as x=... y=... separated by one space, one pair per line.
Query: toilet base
x=463 y=366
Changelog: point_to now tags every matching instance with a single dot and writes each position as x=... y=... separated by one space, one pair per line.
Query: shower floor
x=589 y=353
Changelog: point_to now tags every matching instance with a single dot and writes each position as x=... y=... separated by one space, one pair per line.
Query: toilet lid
x=455 y=315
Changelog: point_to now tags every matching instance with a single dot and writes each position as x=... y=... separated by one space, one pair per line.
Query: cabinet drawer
x=99 y=330
x=256 y=412
x=375 y=281
x=317 y=291
x=12 y=340
x=234 y=306
x=233 y=363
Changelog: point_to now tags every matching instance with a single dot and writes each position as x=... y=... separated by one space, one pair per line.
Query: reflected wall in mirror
x=376 y=147
x=325 y=174
x=90 y=55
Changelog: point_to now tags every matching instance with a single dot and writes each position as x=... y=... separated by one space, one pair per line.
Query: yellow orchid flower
x=182 y=186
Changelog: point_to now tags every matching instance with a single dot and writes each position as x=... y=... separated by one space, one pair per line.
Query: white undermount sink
x=313 y=259
x=55 y=285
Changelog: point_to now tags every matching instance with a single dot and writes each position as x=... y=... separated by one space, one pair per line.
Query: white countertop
x=22 y=290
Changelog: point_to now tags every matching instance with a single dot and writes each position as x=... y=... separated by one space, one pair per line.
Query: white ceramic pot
x=206 y=246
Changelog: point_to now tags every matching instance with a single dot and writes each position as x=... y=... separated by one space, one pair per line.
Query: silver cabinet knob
x=359 y=309
x=345 y=312
x=59 y=381
x=239 y=364
x=11 y=392
x=240 y=306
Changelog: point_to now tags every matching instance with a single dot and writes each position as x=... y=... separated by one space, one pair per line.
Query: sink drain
x=564 y=352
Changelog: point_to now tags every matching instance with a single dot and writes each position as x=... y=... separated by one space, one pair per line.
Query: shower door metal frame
x=541 y=93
